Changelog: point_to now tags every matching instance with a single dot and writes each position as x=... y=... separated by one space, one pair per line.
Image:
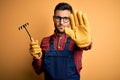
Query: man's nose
x=61 y=21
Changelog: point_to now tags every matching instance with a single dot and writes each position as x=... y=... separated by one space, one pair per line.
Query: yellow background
x=100 y=63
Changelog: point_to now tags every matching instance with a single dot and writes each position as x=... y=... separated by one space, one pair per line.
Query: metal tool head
x=23 y=26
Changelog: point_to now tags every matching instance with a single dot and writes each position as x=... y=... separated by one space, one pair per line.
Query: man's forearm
x=37 y=65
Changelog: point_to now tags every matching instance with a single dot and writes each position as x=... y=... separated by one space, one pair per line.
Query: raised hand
x=80 y=30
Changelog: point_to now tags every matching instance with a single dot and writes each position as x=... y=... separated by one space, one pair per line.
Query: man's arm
x=37 y=65
x=87 y=47
x=36 y=52
x=80 y=30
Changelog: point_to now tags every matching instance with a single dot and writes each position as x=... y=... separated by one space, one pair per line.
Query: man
x=60 y=54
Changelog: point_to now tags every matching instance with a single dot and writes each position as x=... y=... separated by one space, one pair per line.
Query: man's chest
x=58 y=43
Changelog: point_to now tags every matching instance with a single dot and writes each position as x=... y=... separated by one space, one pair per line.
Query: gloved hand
x=80 y=30
x=35 y=49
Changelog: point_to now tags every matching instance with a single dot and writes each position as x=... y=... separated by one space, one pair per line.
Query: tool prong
x=24 y=26
x=27 y=23
x=19 y=28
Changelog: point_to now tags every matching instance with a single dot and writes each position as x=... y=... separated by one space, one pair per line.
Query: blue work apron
x=59 y=65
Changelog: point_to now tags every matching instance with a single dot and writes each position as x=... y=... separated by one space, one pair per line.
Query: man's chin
x=61 y=31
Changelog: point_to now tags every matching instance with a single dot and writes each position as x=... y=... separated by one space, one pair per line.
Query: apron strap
x=51 y=45
x=67 y=43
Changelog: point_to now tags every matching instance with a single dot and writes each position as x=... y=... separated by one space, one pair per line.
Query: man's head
x=61 y=16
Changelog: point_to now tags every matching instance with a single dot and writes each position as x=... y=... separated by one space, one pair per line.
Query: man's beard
x=57 y=30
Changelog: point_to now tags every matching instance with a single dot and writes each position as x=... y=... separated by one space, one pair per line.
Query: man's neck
x=58 y=32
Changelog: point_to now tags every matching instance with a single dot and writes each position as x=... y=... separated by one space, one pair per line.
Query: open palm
x=80 y=30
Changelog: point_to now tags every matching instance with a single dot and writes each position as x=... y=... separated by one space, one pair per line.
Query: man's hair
x=63 y=6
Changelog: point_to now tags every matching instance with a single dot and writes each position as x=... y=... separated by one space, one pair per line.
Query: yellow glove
x=35 y=49
x=79 y=31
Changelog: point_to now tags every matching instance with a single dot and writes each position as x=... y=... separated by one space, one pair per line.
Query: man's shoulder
x=45 y=43
x=46 y=38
